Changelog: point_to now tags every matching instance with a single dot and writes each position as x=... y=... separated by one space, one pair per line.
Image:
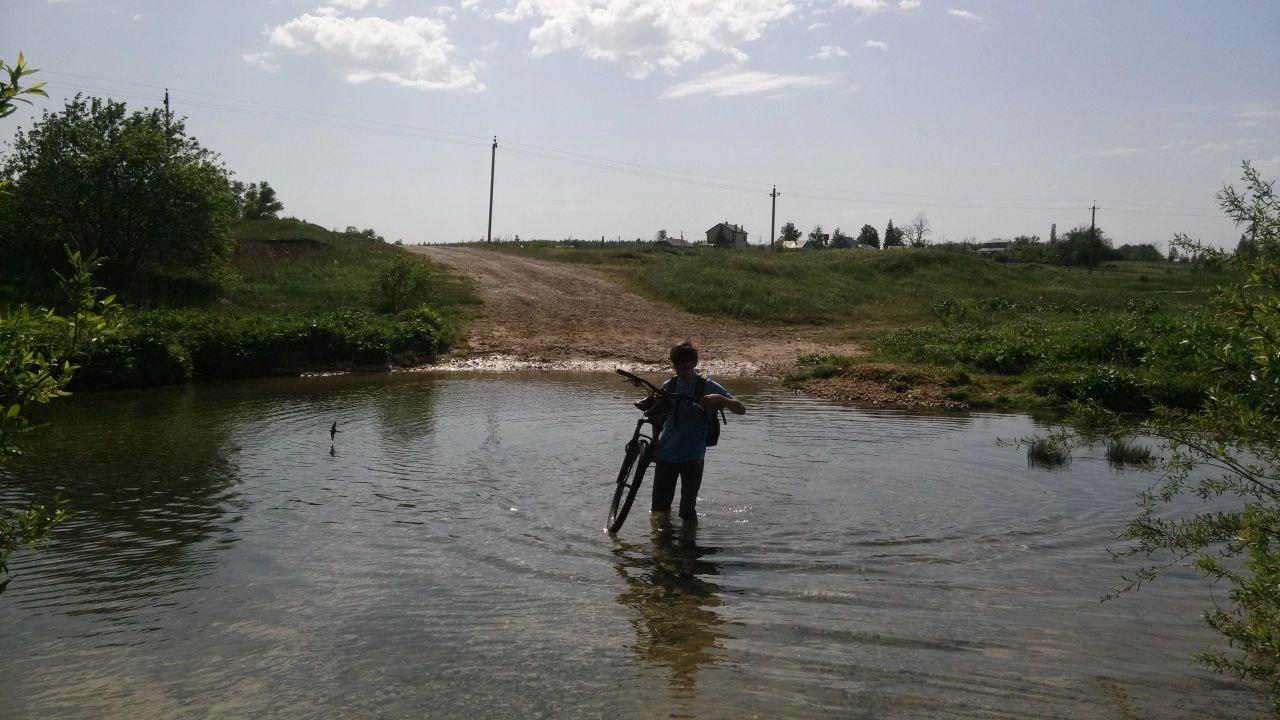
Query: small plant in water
x=1048 y=452
x=1123 y=454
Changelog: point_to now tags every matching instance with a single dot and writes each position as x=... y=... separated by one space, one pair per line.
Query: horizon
x=994 y=118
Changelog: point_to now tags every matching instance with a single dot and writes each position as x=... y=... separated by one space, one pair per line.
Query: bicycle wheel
x=628 y=483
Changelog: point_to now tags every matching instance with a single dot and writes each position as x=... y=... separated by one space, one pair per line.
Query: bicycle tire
x=624 y=494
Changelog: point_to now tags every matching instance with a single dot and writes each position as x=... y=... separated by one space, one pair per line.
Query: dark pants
x=664 y=486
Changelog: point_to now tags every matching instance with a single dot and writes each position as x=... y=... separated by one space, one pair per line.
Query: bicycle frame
x=642 y=448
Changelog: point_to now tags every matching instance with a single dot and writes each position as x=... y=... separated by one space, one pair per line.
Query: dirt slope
x=567 y=315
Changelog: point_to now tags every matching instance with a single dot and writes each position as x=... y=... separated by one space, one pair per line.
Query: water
x=446 y=559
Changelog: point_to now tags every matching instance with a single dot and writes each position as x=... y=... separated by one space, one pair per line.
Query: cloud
x=1212 y=147
x=413 y=52
x=646 y=35
x=1258 y=114
x=264 y=60
x=908 y=4
x=816 y=25
x=354 y=5
x=865 y=6
x=733 y=81
x=963 y=14
x=1119 y=152
x=829 y=52
x=876 y=44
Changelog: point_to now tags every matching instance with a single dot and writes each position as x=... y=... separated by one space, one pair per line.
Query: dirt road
x=561 y=315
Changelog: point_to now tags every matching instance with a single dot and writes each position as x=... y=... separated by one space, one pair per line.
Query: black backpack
x=713 y=420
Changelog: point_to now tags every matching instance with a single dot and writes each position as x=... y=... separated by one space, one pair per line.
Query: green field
x=870 y=290
x=993 y=334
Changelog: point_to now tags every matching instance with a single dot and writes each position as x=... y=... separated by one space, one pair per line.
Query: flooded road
x=444 y=557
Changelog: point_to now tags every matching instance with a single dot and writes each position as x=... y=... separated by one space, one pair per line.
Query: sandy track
x=562 y=315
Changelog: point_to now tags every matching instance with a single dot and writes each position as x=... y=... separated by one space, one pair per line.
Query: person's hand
x=711 y=401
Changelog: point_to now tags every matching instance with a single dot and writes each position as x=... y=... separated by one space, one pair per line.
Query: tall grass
x=1123 y=454
x=1048 y=453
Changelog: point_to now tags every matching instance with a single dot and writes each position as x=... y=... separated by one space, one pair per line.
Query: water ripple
x=442 y=555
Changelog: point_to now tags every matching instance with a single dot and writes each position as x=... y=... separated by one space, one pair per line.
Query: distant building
x=727 y=236
x=995 y=246
x=671 y=242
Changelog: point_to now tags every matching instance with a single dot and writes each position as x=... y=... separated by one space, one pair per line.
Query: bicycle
x=641 y=448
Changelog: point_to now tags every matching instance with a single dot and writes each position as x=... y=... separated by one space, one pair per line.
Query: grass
x=1003 y=335
x=297 y=297
x=1048 y=453
x=1123 y=454
x=1051 y=355
x=290 y=266
x=818 y=367
x=870 y=290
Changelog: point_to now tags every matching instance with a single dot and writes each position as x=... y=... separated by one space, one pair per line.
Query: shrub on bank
x=816 y=366
x=156 y=348
x=1124 y=360
x=403 y=282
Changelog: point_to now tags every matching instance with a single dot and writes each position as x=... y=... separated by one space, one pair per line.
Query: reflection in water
x=145 y=488
x=406 y=416
x=677 y=627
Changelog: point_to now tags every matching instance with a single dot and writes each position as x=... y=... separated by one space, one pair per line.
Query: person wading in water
x=682 y=446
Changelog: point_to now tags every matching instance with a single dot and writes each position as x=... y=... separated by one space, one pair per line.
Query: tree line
x=1081 y=246
x=914 y=234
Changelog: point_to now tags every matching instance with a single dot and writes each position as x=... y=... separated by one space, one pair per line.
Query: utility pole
x=773 y=218
x=167 y=114
x=493 y=163
x=1093 y=235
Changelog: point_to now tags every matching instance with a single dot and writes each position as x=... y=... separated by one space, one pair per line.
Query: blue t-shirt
x=684 y=436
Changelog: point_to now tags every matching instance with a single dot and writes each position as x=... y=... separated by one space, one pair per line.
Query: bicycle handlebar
x=639 y=381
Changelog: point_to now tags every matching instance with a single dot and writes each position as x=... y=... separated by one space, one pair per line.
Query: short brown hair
x=684 y=351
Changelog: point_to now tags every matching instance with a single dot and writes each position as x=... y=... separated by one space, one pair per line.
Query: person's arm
x=712 y=401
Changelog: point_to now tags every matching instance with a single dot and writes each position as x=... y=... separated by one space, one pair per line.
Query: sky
x=618 y=118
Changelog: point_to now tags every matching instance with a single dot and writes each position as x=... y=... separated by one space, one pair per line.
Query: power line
x=270 y=115
x=270 y=106
x=391 y=129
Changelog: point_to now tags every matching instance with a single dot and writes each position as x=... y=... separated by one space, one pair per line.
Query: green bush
x=154 y=348
x=403 y=282
x=130 y=187
x=1125 y=360
x=133 y=357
